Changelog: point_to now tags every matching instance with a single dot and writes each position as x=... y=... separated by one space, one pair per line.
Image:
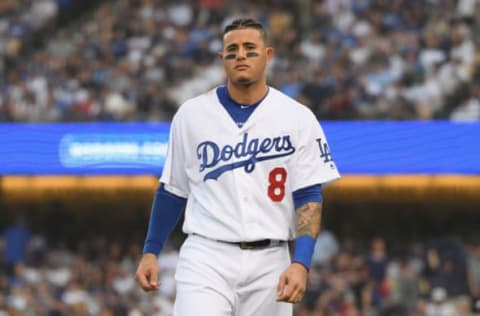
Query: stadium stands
x=95 y=277
x=138 y=60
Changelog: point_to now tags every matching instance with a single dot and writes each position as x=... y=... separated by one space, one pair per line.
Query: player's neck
x=247 y=94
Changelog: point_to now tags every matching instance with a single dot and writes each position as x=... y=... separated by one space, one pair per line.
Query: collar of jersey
x=238 y=113
x=223 y=95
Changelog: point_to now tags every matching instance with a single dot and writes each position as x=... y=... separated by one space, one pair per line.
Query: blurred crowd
x=435 y=277
x=90 y=277
x=95 y=276
x=139 y=60
x=19 y=23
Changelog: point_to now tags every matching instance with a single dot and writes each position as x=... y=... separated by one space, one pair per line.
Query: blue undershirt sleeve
x=308 y=194
x=167 y=209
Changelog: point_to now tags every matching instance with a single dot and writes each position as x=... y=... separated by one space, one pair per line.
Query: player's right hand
x=292 y=284
x=147 y=273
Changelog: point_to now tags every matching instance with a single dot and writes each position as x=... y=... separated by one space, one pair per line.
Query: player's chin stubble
x=244 y=81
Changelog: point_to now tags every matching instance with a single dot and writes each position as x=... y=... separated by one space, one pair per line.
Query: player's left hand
x=292 y=284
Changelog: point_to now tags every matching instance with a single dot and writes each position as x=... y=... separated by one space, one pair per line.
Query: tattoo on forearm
x=309 y=217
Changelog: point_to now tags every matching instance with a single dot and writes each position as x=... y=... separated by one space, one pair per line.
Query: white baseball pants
x=220 y=279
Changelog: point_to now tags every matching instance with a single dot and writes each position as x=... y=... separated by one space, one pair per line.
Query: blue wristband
x=304 y=246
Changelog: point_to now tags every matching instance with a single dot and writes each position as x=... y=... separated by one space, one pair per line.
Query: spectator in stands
x=439 y=304
x=476 y=307
x=403 y=285
x=468 y=108
x=376 y=265
x=325 y=248
x=473 y=267
x=16 y=237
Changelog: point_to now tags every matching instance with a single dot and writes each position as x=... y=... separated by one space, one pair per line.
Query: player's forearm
x=309 y=218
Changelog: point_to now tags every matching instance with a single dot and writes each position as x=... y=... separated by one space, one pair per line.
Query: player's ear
x=269 y=52
x=220 y=54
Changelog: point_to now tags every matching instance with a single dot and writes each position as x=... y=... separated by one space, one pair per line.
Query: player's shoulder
x=289 y=105
x=191 y=107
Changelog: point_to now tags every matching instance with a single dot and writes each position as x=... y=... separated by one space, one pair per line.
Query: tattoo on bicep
x=309 y=217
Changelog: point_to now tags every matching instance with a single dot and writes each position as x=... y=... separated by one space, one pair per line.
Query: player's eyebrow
x=235 y=45
x=231 y=46
x=249 y=44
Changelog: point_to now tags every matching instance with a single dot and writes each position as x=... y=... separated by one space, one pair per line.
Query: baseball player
x=246 y=163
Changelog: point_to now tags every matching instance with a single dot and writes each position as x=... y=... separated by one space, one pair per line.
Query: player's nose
x=241 y=54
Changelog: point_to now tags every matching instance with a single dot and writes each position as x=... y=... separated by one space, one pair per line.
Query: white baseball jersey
x=239 y=180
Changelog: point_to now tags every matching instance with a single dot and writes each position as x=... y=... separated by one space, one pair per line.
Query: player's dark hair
x=246 y=23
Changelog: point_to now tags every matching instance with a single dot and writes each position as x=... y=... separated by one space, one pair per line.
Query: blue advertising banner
x=83 y=148
x=413 y=147
x=358 y=147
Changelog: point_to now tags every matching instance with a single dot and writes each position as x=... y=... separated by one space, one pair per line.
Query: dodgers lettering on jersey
x=239 y=180
x=250 y=150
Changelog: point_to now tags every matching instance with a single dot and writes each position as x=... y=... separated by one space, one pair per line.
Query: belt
x=257 y=244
